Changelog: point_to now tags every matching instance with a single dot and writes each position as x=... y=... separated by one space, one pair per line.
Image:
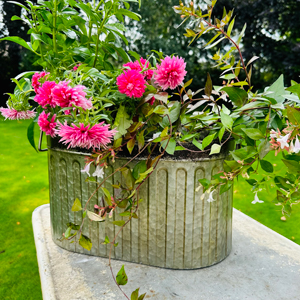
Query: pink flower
x=12 y=114
x=47 y=126
x=139 y=67
x=65 y=96
x=131 y=83
x=76 y=67
x=170 y=73
x=35 y=80
x=95 y=136
x=151 y=101
x=44 y=95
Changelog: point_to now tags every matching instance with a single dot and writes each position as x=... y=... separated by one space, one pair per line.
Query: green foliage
x=122 y=278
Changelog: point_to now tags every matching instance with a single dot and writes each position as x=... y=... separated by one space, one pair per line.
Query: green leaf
x=129 y=14
x=162 y=96
x=207 y=140
x=141 y=140
x=236 y=95
x=197 y=144
x=225 y=187
x=295 y=89
x=122 y=122
x=119 y=223
x=266 y=166
x=122 y=277
x=73 y=226
x=161 y=110
x=94 y=217
x=76 y=205
x=230 y=27
x=253 y=133
x=129 y=179
x=141 y=297
x=19 y=41
x=208 y=86
x=292 y=165
x=173 y=114
x=30 y=135
x=135 y=295
x=243 y=153
x=215 y=149
x=107 y=195
x=278 y=90
x=140 y=167
x=142 y=176
x=221 y=133
x=226 y=120
x=263 y=149
x=293 y=115
x=171 y=146
x=85 y=242
x=252 y=182
x=130 y=145
x=106 y=241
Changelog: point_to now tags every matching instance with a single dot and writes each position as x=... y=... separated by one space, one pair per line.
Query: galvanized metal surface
x=176 y=229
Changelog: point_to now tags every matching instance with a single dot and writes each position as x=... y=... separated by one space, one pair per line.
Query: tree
x=273 y=31
x=13 y=58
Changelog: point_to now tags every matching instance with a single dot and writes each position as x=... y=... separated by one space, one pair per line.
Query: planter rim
x=167 y=158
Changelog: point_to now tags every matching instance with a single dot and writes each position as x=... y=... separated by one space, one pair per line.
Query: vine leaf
x=122 y=278
x=85 y=242
x=77 y=205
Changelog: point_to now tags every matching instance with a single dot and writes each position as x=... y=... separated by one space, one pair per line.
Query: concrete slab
x=262 y=265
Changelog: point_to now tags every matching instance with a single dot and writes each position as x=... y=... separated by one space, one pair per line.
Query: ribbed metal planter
x=175 y=229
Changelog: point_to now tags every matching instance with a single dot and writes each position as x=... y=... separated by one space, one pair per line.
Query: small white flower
x=99 y=172
x=86 y=169
x=256 y=200
x=283 y=141
x=273 y=134
x=155 y=135
x=297 y=146
x=210 y=197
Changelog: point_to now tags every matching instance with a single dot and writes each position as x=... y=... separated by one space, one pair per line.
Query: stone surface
x=262 y=265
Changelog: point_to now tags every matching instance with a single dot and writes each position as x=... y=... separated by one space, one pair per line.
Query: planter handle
x=40 y=143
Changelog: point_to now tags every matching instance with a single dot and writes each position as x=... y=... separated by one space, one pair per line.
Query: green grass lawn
x=24 y=186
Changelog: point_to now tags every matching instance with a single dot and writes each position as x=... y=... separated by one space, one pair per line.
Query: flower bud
x=192 y=3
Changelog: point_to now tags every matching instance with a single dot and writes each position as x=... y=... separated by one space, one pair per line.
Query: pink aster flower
x=131 y=83
x=44 y=95
x=35 y=80
x=47 y=126
x=170 y=73
x=13 y=114
x=65 y=96
x=139 y=67
x=95 y=136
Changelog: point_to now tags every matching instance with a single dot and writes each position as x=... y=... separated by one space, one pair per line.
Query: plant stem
x=54 y=26
x=97 y=47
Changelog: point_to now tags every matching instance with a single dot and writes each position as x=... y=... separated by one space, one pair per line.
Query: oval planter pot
x=176 y=228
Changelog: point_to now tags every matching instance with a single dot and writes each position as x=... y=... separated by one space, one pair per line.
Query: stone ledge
x=262 y=265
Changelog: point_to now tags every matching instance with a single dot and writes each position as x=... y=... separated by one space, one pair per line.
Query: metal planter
x=175 y=228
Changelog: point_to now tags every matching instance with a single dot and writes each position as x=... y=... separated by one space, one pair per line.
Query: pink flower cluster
x=47 y=126
x=95 y=136
x=169 y=74
x=35 y=80
x=62 y=95
x=12 y=114
x=280 y=141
